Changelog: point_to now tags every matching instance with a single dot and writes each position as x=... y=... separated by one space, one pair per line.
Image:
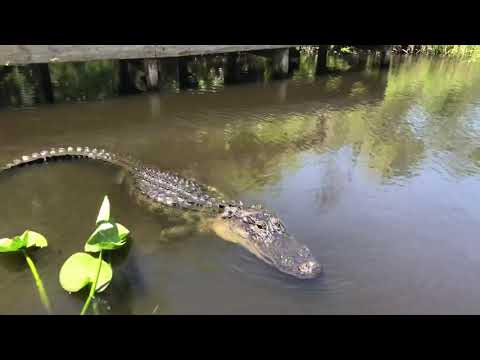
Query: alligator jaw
x=264 y=236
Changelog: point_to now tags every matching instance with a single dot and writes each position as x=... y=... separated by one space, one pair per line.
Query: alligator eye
x=261 y=225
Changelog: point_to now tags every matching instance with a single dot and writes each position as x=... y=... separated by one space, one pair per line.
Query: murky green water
x=377 y=171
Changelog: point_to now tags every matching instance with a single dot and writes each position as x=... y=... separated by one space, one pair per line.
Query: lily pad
x=80 y=270
x=27 y=239
x=33 y=238
x=104 y=213
x=107 y=236
x=12 y=245
x=122 y=231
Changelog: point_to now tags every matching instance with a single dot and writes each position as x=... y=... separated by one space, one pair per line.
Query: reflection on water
x=16 y=86
x=375 y=170
x=98 y=80
x=82 y=81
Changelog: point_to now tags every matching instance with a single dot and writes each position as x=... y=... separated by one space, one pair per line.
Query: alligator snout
x=310 y=269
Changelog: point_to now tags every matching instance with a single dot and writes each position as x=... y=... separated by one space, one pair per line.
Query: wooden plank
x=30 y=54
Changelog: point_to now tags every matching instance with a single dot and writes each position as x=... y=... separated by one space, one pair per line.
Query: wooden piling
x=151 y=74
x=230 y=73
x=42 y=83
x=185 y=78
x=280 y=63
x=321 y=59
x=130 y=77
x=293 y=59
x=125 y=84
x=385 y=57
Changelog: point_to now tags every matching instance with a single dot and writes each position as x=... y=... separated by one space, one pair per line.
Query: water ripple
x=251 y=267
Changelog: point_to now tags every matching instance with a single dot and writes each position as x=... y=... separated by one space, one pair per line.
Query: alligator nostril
x=309 y=268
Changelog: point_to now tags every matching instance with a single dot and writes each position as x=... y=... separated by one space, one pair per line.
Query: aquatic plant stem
x=93 y=287
x=38 y=282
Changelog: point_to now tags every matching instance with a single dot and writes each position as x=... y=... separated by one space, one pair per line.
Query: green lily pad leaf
x=103 y=246
x=5 y=242
x=122 y=231
x=6 y=245
x=80 y=270
x=27 y=239
x=12 y=245
x=106 y=237
x=33 y=238
x=104 y=213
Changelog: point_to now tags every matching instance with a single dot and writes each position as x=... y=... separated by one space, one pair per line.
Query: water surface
x=377 y=171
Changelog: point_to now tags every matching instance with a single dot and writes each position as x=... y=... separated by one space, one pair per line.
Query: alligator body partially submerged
x=256 y=229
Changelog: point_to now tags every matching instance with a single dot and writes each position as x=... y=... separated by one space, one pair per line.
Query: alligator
x=256 y=229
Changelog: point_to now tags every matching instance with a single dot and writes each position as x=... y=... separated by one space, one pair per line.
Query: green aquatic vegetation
x=347 y=50
x=306 y=68
x=82 y=269
x=465 y=52
x=107 y=236
x=21 y=243
x=84 y=80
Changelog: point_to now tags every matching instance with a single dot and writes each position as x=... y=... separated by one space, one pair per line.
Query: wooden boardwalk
x=35 y=54
x=139 y=67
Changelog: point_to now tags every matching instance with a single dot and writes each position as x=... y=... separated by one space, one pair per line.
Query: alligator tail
x=80 y=152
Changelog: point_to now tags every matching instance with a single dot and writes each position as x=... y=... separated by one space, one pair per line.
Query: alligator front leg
x=121 y=176
x=176 y=232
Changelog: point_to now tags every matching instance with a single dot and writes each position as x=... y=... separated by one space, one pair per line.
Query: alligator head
x=264 y=235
